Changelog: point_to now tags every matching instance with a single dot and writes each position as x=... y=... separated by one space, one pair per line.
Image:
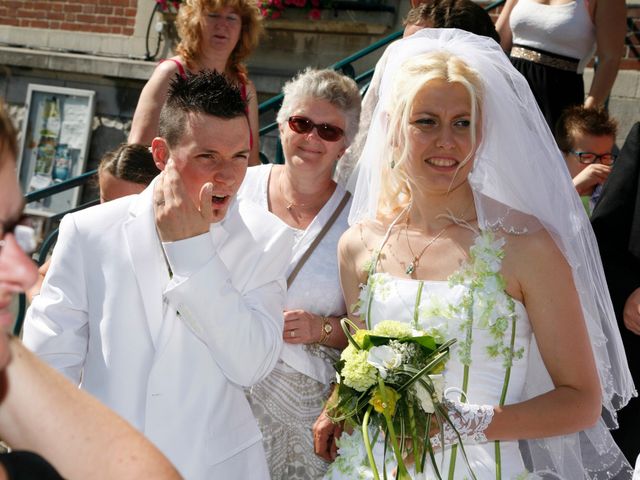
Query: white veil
x=520 y=184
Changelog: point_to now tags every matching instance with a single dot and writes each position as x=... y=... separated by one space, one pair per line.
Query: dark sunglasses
x=327 y=132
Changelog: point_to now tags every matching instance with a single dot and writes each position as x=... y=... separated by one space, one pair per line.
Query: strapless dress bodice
x=483 y=346
x=487 y=364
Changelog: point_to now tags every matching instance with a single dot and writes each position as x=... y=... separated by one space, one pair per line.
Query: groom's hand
x=177 y=216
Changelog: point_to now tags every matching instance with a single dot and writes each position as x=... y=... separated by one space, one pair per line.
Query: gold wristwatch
x=327 y=328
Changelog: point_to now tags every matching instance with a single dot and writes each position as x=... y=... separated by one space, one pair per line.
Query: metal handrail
x=275 y=101
x=59 y=187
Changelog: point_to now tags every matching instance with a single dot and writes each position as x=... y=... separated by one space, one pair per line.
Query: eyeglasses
x=589 y=157
x=326 y=131
x=25 y=235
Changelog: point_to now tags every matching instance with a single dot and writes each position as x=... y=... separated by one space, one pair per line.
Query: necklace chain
x=413 y=264
x=290 y=203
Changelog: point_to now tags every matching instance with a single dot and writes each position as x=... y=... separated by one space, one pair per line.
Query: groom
x=164 y=305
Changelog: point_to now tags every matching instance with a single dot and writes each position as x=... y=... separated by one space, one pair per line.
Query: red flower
x=276 y=15
x=314 y=14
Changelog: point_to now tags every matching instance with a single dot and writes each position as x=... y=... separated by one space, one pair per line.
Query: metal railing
x=345 y=66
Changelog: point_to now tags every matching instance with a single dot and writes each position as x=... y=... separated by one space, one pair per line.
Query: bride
x=465 y=224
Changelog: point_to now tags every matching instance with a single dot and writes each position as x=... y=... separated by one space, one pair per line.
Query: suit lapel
x=145 y=253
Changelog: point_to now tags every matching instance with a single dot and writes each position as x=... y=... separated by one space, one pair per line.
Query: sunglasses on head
x=326 y=131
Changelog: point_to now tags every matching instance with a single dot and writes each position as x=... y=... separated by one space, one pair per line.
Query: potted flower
x=168 y=6
x=274 y=9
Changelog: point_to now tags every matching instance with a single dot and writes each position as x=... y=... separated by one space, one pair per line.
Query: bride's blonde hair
x=413 y=75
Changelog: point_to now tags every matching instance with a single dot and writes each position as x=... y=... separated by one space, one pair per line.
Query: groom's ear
x=161 y=152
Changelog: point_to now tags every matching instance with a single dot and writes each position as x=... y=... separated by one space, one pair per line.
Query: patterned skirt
x=286 y=404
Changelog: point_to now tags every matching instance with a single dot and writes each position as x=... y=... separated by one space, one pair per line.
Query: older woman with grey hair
x=318 y=119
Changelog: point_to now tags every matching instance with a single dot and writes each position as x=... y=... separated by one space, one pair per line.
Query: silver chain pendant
x=410 y=269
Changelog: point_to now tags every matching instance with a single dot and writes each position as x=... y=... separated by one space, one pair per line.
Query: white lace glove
x=469 y=420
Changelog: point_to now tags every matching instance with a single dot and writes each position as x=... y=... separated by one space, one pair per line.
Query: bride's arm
x=325 y=432
x=554 y=310
x=353 y=254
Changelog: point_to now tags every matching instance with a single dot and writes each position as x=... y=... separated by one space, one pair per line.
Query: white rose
x=384 y=358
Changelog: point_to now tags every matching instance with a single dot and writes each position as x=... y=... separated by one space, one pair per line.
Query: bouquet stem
x=367 y=443
x=403 y=474
x=417 y=455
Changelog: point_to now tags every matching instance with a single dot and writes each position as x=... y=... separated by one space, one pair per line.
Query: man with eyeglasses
x=586 y=136
x=41 y=413
x=167 y=304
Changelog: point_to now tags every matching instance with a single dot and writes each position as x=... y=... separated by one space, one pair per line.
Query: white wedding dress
x=488 y=361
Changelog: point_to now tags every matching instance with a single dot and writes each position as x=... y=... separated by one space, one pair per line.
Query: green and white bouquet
x=390 y=378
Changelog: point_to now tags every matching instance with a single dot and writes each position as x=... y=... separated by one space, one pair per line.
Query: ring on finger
x=292 y=333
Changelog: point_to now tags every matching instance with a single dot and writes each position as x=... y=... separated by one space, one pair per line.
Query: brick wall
x=95 y=16
x=631 y=57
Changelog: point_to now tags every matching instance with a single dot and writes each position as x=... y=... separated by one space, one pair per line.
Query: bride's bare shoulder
x=534 y=243
x=367 y=232
x=533 y=251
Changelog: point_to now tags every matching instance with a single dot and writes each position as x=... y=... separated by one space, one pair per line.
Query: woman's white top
x=565 y=29
x=316 y=288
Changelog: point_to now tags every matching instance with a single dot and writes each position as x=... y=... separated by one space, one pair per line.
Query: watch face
x=327 y=328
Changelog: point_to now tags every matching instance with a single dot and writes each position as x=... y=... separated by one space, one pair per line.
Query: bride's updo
x=413 y=75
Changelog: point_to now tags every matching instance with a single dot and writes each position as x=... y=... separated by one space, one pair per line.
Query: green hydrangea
x=392 y=328
x=357 y=373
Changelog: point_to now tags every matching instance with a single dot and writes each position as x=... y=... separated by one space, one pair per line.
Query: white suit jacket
x=179 y=380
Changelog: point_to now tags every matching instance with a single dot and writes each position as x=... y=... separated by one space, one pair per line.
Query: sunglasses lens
x=329 y=132
x=300 y=124
x=325 y=131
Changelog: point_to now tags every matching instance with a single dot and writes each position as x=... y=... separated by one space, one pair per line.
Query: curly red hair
x=188 y=23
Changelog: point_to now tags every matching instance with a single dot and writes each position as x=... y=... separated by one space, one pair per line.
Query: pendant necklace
x=289 y=204
x=411 y=268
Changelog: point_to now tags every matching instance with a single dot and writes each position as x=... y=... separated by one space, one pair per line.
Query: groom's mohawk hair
x=207 y=92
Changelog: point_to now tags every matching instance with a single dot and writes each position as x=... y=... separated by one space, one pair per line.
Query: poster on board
x=55 y=143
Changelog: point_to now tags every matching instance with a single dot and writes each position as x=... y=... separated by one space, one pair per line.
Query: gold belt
x=546 y=59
